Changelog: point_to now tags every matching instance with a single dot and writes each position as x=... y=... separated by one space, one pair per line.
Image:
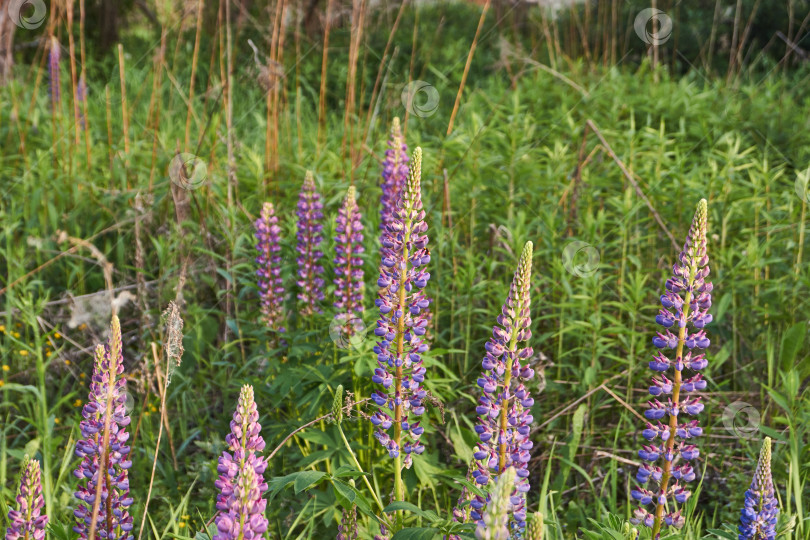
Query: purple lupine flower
x=348 y=262
x=28 y=522
x=504 y=408
x=241 y=483
x=309 y=240
x=686 y=301
x=54 y=87
x=761 y=510
x=271 y=289
x=401 y=327
x=105 y=409
x=394 y=174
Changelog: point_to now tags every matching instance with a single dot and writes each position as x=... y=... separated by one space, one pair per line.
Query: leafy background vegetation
x=513 y=168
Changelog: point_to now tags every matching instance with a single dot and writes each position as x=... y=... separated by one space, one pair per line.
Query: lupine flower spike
x=28 y=522
x=534 y=530
x=685 y=304
x=495 y=524
x=241 y=483
x=394 y=174
x=309 y=238
x=504 y=408
x=348 y=262
x=271 y=290
x=761 y=511
x=54 y=86
x=102 y=472
x=401 y=327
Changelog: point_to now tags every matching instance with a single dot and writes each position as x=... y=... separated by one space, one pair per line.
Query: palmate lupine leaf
x=685 y=304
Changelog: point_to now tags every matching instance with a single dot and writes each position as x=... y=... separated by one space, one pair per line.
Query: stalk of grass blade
x=108 y=106
x=84 y=78
x=173 y=353
x=155 y=107
x=194 y=56
x=467 y=67
x=73 y=80
x=124 y=113
x=322 y=93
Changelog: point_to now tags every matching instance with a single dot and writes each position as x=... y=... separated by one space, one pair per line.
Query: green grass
x=510 y=164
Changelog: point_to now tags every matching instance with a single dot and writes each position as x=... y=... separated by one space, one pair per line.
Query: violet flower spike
x=114 y=521
x=28 y=522
x=394 y=174
x=308 y=233
x=54 y=86
x=761 y=510
x=241 y=482
x=271 y=289
x=686 y=302
x=504 y=417
x=348 y=262
x=401 y=327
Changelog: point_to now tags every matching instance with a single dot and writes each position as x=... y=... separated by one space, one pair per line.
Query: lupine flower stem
x=761 y=511
x=348 y=264
x=689 y=275
x=504 y=407
x=309 y=240
x=241 y=468
x=400 y=371
x=271 y=289
x=104 y=452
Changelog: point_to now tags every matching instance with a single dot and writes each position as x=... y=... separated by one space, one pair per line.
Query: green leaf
x=791 y=344
x=415 y=533
x=306 y=479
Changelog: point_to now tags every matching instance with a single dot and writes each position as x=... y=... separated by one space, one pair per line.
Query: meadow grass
x=111 y=216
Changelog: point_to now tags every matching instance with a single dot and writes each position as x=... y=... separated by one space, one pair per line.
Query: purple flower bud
x=761 y=510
